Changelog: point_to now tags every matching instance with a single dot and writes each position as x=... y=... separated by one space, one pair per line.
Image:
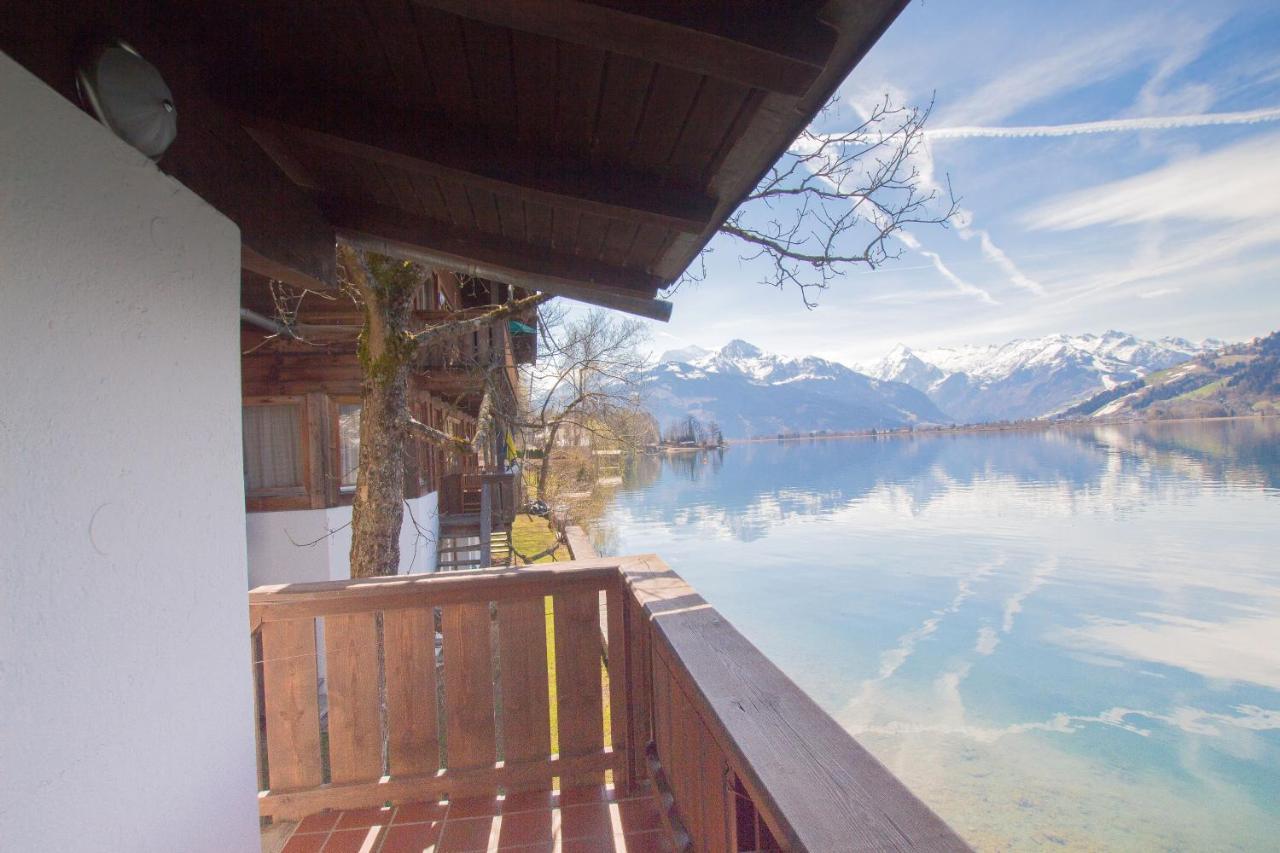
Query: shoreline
x=1031 y=426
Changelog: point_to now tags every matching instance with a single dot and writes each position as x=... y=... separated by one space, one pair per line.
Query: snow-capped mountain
x=753 y=393
x=1031 y=378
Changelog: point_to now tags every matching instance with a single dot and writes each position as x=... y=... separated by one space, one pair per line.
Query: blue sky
x=1163 y=220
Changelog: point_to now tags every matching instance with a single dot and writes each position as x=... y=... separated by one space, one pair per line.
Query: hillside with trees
x=1241 y=379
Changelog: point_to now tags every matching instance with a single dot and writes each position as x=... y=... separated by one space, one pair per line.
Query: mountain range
x=1031 y=378
x=749 y=392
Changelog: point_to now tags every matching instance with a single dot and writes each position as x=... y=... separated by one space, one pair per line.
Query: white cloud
x=1099 y=55
x=1237 y=183
x=1159 y=292
x=1120 y=125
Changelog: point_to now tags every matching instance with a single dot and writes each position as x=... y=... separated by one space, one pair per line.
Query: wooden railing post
x=486 y=524
x=621 y=732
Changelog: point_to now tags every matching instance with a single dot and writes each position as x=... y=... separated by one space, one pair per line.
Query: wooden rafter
x=433 y=146
x=759 y=51
x=520 y=260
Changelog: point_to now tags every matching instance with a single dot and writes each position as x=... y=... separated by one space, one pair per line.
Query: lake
x=1059 y=639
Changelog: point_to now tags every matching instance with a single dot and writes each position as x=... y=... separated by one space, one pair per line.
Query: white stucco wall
x=125 y=686
x=315 y=544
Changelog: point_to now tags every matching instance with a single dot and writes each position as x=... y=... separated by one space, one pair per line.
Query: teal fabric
x=518 y=328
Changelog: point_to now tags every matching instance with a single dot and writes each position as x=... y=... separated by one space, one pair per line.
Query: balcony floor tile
x=593 y=819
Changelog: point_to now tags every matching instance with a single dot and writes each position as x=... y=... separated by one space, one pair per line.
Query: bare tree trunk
x=544 y=467
x=386 y=288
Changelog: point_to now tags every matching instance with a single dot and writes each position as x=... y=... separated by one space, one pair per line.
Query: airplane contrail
x=1121 y=125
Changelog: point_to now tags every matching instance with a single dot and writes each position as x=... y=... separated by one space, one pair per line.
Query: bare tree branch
x=585 y=380
x=835 y=200
x=436 y=436
x=479 y=321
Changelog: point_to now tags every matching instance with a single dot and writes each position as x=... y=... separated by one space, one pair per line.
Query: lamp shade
x=128 y=95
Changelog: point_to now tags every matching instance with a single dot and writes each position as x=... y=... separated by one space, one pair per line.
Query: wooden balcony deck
x=579 y=820
x=680 y=704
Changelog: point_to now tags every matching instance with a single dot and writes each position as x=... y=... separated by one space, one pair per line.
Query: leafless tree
x=384 y=288
x=834 y=200
x=585 y=381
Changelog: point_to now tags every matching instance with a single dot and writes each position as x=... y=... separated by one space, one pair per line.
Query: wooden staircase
x=476 y=514
x=461 y=550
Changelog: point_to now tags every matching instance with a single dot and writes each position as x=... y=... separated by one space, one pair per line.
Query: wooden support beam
x=756 y=45
x=435 y=146
x=614 y=298
x=372 y=226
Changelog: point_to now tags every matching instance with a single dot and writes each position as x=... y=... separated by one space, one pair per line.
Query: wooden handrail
x=815 y=786
x=396 y=592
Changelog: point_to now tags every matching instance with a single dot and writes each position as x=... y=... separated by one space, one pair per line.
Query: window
x=348 y=445
x=273 y=460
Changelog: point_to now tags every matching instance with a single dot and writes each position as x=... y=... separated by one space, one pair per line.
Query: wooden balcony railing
x=742 y=759
x=464 y=494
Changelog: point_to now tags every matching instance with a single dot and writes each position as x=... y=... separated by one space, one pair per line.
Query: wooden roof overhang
x=583 y=147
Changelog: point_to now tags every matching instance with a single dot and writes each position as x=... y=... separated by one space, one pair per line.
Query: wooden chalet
x=301 y=424
x=584 y=148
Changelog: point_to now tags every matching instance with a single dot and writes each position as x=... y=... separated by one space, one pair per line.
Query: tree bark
x=544 y=467
x=385 y=350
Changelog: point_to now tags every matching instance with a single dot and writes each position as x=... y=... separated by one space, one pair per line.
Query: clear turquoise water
x=1065 y=639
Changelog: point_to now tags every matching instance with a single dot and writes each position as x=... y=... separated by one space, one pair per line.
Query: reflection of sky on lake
x=1067 y=638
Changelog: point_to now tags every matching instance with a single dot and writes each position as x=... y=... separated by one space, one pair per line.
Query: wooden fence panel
x=410 y=653
x=355 y=720
x=685 y=764
x=619 y=677
x=522 y=657
x=291 y=703
x=641 y=687
x=579 y=703
x=468 y=686
x=717 y=821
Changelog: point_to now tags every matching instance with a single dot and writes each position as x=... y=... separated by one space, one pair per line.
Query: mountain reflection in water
x=1059 y=638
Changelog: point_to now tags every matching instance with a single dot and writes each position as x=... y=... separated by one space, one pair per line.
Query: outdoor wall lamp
x=128 y=95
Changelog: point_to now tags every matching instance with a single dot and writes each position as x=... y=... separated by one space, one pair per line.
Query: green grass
x=1204 y=391
x=1181 y=369
x=532 y=535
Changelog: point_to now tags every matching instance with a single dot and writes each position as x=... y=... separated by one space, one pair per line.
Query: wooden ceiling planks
x=739 y=41
x=714 y=112
x=430 y=145
x=489 y=65
x=535 y=60
x=671 y=99
x=614 y=132
x=579 y=75
x=397 y=228
x=441 y=40
x=624 y=92
x=575 y=127
x=396 y=29
x=648 y=247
